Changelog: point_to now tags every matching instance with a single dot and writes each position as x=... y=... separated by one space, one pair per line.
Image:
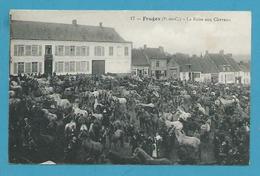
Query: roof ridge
x=63 y=24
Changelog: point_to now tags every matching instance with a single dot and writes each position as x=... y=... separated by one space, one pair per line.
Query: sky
x=191 y=32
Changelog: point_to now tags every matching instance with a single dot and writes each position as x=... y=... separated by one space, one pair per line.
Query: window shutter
x=56 y=50
x=56 y=67
x=15 y=50
x=40 y=67
x=40 y=50
x=28 y=67
x=87 y=66
x=78 y=67
x=15 y=68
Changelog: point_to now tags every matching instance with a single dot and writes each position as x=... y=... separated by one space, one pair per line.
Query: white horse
x=80 y=112
x=183 y=115
x=187 y=140
x=176 y=124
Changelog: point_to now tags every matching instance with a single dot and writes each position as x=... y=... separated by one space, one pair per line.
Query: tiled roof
x=223 y=59
x=139 y=58
x=155 y=53
x=30 y=30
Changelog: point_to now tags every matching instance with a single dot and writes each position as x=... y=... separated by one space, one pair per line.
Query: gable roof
x=139 y=58
x=223 y=59
x=29 y=30
x=208 y=66
x=155 y=53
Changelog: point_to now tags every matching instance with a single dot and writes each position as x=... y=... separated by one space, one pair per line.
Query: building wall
x=143 y=69
x=205 y=77
x=118 y=63
x=184 y=76
x=173 y=72
x=245 y=77
x=162 y=64
x=226 y=77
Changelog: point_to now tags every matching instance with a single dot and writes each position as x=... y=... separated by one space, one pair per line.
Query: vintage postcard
x=129 y=87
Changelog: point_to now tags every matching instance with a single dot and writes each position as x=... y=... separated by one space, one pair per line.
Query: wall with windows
x=72 y=56
x=226 y=77
x=205 y=77
x=245 y=77
x=158 y=64
x=184 y=76
x=143 y=70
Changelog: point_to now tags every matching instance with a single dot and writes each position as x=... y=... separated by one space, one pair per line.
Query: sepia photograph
x=129 y=87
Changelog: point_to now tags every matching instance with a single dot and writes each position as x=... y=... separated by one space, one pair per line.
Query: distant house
x=227 y=67
x=140 y=62
x=189 y=68
x=158 y=62
x=173 y=69
x=209 y=72
x=41 y=47
x=244 y=73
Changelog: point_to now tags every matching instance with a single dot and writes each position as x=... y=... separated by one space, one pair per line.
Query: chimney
x=145 y=46
x=74 y=22
x=100 y=24
x=221 y=52
x=161 y=49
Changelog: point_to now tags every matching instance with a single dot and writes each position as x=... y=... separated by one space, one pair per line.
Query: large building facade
x=38 y=47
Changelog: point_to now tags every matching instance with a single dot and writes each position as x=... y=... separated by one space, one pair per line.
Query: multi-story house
x=40 y=47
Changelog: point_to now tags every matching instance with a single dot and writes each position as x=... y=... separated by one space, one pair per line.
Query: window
x=83 y=67
x=111 y=51
x=67 y=67
x=34 y=50
x=20 y=67
x=34 y=67
x=78 y=51
x=87 y=51
x=60 y=67
x=67 y=50
x=59 y=50
x=157 y=64
x=78 y=67
x=99 y=51
x=83 y=51
x=20 y=51
x=146 y=71
x=119 y=51
x=28 y=67
x=72 y=50
x=28 y=50
x=72 y=66
x=126 y=51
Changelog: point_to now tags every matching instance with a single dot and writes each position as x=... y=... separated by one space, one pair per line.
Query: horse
x=176 y=124
x=187 y=140
x=93 y=148
x=147 y=159
x=116 y=137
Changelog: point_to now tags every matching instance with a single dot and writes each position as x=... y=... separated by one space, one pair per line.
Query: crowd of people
x=99 y=119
